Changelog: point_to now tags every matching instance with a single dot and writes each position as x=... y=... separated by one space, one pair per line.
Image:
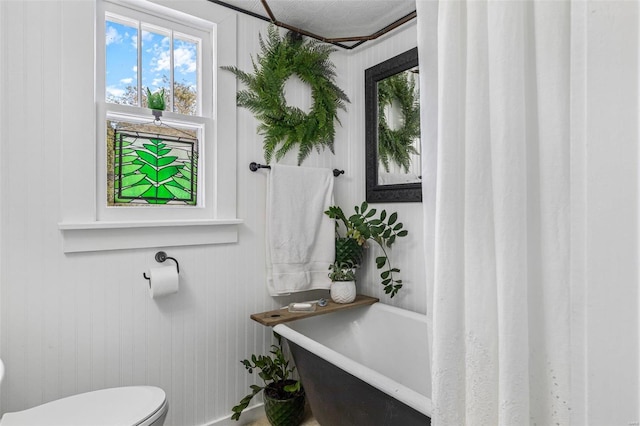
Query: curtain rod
x=337 y=41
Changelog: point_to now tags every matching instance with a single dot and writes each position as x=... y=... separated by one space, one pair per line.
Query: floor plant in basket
x=284 y=397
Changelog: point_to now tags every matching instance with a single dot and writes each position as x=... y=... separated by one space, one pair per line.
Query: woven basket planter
x=348 y=251
x=284 y=412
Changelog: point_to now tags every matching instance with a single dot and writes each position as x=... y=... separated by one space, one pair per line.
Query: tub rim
x=402 y=393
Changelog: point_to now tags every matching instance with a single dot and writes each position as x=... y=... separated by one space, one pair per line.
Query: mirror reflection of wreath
x=398 y=145
x=284 y=126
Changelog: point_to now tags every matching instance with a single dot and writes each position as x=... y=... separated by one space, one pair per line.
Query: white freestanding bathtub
x=363 y=366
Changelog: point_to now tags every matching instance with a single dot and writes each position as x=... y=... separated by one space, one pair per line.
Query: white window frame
x=205 y=32
x=87 y=223
x=131 y=17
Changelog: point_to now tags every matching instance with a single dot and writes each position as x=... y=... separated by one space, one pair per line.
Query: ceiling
x=345 y=23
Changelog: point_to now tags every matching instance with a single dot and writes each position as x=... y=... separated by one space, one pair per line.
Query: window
x=149 y=162
x=141 y=57
x=187 y=194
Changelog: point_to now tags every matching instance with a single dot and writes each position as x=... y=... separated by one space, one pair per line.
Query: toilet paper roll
x=164 y=280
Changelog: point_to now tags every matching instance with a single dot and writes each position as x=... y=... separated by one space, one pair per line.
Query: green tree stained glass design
x=154 y=169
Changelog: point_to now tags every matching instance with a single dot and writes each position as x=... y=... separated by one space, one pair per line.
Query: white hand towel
x=300 y=237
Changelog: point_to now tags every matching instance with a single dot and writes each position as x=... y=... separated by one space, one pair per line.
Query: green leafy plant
x=398 y=145
x=284 y=126
x=342 y=271
x=156 y=100
x=277 y=376
x=383 y=230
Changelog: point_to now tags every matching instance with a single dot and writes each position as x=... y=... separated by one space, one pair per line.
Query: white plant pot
x=343 y=291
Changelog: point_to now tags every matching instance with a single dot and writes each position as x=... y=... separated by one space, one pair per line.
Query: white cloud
x=115 y=91
x=126 y=80
x=112 y=36
x=162 y=61
x=157 y=82
x=135 y=69
x=158 y=56
x=184 y=59
x=146 y=37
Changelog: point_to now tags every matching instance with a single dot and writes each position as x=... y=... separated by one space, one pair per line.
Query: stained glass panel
x=153 y=169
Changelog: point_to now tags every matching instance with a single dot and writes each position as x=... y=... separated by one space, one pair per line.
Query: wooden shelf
x=279 y=316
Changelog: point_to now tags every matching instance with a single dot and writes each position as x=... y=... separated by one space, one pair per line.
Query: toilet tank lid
x=129 y=405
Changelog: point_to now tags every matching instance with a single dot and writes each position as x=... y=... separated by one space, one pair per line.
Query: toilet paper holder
x=161 y=257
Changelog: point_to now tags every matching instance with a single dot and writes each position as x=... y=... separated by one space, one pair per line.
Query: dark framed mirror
x=392 y=121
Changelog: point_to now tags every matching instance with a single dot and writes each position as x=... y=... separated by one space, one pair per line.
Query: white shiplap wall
x=78 y=322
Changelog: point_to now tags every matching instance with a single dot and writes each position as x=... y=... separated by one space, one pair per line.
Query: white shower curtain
x=500 y=301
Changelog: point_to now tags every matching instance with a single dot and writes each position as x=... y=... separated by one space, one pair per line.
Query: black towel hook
x=161 y=257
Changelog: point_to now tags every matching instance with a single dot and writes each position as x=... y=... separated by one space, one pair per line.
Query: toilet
x=122 y=406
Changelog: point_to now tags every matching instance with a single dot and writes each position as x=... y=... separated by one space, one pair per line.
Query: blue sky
x=122 y=69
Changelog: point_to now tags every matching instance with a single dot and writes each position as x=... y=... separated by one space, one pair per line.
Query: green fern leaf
x=135 y=191
x=130 y=168
x=167 y=172
x=131 y=180
x=178 y=193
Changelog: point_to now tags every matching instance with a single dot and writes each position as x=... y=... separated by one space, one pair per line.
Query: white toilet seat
x=124 y=406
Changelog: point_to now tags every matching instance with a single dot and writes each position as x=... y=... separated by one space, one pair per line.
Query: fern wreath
x=398 y=145
x=284 y=126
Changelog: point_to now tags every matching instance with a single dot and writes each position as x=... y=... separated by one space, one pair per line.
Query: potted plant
x=284 y=397
x=343 y=286
x=156 y=102
x=362 y=226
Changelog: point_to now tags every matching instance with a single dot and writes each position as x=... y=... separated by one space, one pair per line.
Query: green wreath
x=284 y=126
x=397 y=145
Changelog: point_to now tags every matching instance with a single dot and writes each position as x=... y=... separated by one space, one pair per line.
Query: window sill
x=102 y=235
